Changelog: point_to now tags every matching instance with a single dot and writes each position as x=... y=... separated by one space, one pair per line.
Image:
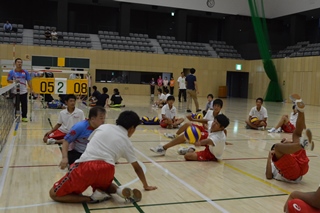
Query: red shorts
x=206 y=155
x=58 y=135
x=204 y=132
x=299 y=206
x=97 y=174
x=164 y=124
x=292 y=166
x=288 y=128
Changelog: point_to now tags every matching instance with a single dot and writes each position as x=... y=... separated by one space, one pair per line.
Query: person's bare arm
x=196 y=86
x=138 y=170
x=64 y=151
x=204 y=142
x=53 y=129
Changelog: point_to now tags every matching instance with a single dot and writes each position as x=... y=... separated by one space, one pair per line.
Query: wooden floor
x=29 y=168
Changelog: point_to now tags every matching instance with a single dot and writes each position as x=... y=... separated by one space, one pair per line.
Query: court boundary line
x=221 y=209
x=190 y=202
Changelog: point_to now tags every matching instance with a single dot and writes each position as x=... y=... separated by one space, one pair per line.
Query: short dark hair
x=222 y=120
x=218 y=101
x=166 y=90
x=171 y=98
x=105 y=89
x=160 y=90
x=192 y=70
x=70 y=96
x=259 y=99
x=128 y=119
x=116 y=91
x=17 y=59
x=94 y=87
x=293 y=107
x=210 y=95
x=94 y=111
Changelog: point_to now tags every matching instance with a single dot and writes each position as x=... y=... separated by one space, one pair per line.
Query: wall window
x=127 y=77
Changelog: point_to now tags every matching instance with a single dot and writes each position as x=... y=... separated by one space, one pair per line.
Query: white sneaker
x=305 y=143
x=168 y=135
x=279 y=130
x=159 y=150
x=184 y=150
x=133 y=195
x=272 y=130
x=51 y=141
x=98 y=196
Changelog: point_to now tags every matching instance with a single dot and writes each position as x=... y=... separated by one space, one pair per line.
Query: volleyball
x=192 y=134
x=199 y=116
x=156 y=119
x=193 y=115
x=145 y=119
x=253 y=119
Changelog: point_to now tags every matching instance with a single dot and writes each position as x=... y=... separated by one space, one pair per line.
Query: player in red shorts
x=286 y=124
x=67 y=118
x=288 y=161
x=303 y=202
x=96 y=166
x=169 y=115
x=214 y=142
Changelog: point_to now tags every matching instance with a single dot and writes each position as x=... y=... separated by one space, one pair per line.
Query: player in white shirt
x=288 y=160
x=67 y=118
x=182 y=87
x=286 y=124
x=204 y=128
x=161 y=98
x=211 y=114
x=96 y=166
x=168 y=115
x=214 y=141
x=258 y=116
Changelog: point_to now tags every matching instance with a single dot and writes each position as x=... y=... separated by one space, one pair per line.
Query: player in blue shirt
x=21 y=76
x=78 y=136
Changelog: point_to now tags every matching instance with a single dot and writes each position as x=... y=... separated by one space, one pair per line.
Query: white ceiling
x=272 y=8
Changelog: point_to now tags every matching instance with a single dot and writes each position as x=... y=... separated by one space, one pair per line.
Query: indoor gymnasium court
x=237 y=184
x=241 y=50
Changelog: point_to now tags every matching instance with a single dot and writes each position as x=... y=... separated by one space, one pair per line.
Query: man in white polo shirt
x=67 y=118
x=258 y=116
x=182 y=87
x=168 y=115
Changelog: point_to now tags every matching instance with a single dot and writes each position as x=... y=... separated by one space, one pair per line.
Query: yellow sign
x=60 y=86
x=4 y=81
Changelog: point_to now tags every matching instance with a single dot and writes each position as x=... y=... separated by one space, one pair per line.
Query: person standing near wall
x=159 y=82
x=192 y=90
x=172 y=86
x=152 y=87
x=182 y=87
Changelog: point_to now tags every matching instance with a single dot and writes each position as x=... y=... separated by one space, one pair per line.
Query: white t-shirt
x=67 y=120
x=261 y=115
x=162 y=97
x=165 y=83
x=109 y=143
x=182 y=82
x=278 y=176
x=209 y=116
x=293 y=118
x=169 y=113
x=219 y=141
x=167 y=95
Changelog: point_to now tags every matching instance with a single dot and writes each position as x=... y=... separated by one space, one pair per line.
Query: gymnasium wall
x=298 y=75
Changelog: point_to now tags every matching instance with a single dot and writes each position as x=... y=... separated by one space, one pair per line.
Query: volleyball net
x=7 y=112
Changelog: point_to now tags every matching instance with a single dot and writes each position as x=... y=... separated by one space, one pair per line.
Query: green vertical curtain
x=260 y=27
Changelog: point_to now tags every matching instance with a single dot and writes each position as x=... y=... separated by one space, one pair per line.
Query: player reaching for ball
x=211 y=114
x=214 y=142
